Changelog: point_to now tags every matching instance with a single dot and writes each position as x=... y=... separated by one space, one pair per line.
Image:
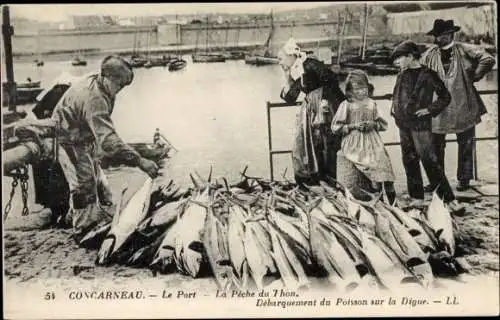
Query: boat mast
x=365 y=30
x=206 y=37
x=341 y=39
x=270 y=36
x=226 y=37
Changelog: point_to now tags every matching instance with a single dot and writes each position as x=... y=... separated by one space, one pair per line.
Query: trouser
x=465 y=139
x=90 y=197
x=417 y=146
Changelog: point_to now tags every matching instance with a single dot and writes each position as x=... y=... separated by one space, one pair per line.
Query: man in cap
x=459 y=65
x=87 y=133
x=413 y=109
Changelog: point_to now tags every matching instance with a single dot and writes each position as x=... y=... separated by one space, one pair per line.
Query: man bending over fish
x=87 y=134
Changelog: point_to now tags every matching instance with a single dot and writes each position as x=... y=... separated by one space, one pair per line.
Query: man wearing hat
x=459 y=65
x=413 y=109
x=86 y=134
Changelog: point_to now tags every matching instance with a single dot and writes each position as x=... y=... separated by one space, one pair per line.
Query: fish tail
x=106 y=250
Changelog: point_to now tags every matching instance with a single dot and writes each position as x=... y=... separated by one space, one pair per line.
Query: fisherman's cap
x=116 y=67
x=405 y=48
x=442 y=27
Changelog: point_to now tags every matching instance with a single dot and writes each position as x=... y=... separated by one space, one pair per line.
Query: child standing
x=413 y=108
x=359 y=123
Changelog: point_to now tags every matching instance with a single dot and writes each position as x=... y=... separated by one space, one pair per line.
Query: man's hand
x=149 y=167
x=422 y=112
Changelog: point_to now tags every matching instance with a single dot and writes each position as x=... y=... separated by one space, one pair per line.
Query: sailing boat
x=378 y=63
x=155 y=61
x=78 y=61
x=233 y=54
x=136 y=60
x=177 y=63
x=266 y=58
x=207 y=56
x=39 y=62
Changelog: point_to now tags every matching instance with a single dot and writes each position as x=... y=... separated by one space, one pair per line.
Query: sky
x=61 y=12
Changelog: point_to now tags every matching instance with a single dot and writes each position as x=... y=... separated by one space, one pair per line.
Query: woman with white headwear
x=315 y=147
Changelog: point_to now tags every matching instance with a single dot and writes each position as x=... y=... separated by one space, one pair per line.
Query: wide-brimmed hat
x=405 y=48
x=443 y=26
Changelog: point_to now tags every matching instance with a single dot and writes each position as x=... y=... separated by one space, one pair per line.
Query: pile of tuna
x=258 y=233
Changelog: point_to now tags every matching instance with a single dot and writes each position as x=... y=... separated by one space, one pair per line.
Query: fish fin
x=209 y=179
x=107 y=247
x=374 y=198
x=119 y=206
x=439 y=232
x=199 y=177
x=196 y=246
x=415 y=261
x=196 y=185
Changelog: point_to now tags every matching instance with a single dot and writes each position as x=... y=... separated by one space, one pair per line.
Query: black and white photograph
x=250 y=159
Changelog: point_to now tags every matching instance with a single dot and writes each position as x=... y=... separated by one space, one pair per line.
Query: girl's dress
x=365 y=150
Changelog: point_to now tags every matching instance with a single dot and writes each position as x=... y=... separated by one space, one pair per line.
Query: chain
x=8 y=206
x=24 y=192
x=20 y=175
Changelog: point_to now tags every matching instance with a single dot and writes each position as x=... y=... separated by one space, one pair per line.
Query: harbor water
x=215 y=115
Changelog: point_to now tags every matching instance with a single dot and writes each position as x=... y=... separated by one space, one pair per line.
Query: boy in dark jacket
x=413 y=108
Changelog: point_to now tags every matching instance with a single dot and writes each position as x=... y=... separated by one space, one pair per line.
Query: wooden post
x=8 y=32
x=270 y=140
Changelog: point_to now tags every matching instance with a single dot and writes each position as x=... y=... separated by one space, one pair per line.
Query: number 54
x=50 y=296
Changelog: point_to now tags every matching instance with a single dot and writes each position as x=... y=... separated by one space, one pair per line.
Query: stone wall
x=125 y=37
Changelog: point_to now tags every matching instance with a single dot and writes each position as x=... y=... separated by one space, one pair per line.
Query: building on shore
x=475 y=20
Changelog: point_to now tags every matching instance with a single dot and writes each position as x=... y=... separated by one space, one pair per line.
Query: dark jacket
x=414 y=90
x=316 y=75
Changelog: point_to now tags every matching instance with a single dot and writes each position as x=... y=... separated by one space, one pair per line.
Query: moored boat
x=259 y=60
x=157 y=62
x=177 y=64
x=207 y=57
x=264 y=57
x=79 y=62
x=29 y=84
x=234 y=55
x=137 y=62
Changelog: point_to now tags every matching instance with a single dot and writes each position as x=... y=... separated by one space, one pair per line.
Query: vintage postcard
x=228 y=160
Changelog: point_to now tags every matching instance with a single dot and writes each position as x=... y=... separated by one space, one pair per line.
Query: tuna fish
x=394 y=234
x=440 y=220
x=235 y=234
x=164 y=258
x=125 y=222
x=332 y=257
x=189 y=250
x=384 y=263
x=290 y=269
x=215 y=242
